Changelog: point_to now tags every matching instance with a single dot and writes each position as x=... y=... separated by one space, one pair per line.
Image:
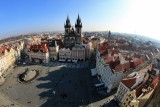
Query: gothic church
x=72 y=36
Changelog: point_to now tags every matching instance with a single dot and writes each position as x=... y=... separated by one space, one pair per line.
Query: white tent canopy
x=99 y=84
x=93 y=72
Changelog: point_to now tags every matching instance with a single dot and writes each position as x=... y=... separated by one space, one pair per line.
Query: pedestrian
x=54 y=92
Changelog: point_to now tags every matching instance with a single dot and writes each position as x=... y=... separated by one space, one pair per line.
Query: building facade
x=78 y=53
x=112 y=65
x=134 y=90
x=89 y=50
x=9 y=53
x=39 y=53
x=7 y=58
x=53 y=50
x=65 y=54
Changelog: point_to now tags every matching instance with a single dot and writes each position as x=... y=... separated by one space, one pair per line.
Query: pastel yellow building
x=134 y=90
x=9 y=53
x=7 y=58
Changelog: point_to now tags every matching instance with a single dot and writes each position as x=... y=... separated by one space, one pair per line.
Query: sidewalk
x=7 y=72
x=7 y=102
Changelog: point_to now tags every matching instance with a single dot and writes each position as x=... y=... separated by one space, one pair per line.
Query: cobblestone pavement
x=79 y=65
x=5 y=101
x=59 y=84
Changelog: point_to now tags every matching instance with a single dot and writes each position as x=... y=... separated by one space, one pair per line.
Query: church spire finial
x=78 y=17
x=78 y=22
x=68 y=24
x=68 y=18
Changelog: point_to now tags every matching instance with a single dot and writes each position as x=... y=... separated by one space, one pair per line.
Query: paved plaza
x=68 y=64
x=58 y=85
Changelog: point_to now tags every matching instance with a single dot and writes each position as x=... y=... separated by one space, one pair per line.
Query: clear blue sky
x=24 y=16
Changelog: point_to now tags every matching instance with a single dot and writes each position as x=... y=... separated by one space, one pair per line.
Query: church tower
x=109 y=34
x=67 y=26
x=78 y=26
x=72 y=37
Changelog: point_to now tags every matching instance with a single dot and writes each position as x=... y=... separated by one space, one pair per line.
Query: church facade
x=72 y=36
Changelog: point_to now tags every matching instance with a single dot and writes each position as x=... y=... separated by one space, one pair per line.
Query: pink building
x=78 y=53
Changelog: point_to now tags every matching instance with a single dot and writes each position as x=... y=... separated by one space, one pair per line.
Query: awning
x=99 y=85
x=93 y=72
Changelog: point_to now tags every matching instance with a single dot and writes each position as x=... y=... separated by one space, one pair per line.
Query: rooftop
x=141 y=80
x=40 y=47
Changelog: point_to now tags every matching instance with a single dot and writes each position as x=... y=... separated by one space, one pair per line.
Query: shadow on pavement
x=68 y=88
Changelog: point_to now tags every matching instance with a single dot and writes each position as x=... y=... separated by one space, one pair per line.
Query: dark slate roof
x=52 y=43
x=78 y=22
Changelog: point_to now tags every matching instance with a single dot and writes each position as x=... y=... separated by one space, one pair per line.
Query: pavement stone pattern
x=79 y=65
x=59 y=84
x=7 y=102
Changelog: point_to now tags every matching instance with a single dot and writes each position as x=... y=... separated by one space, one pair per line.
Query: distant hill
x=13 y=38
x=116 y=34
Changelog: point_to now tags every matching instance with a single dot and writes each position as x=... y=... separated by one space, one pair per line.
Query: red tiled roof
x=129 y=82
x=104 y=53
x=118 y=68
x=40 y=47
x=115 y=51
x=155 y=81
x=136 y=63
x=123 y=67
x=2 y=49
x=108 y=59
x=126 y=65
x=139 y=89
x=101 y=47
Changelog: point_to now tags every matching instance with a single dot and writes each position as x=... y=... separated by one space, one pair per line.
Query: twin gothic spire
x=78 y=23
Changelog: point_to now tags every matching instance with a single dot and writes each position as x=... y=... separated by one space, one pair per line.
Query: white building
x=65 y=54
x=106 y=75
x=112 y=66
x=7 y=58
x=89 y=49
x=78 y=52
x=53 y=50
x=18 y=46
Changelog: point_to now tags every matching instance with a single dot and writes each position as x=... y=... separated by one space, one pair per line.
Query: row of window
x=35 y=56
